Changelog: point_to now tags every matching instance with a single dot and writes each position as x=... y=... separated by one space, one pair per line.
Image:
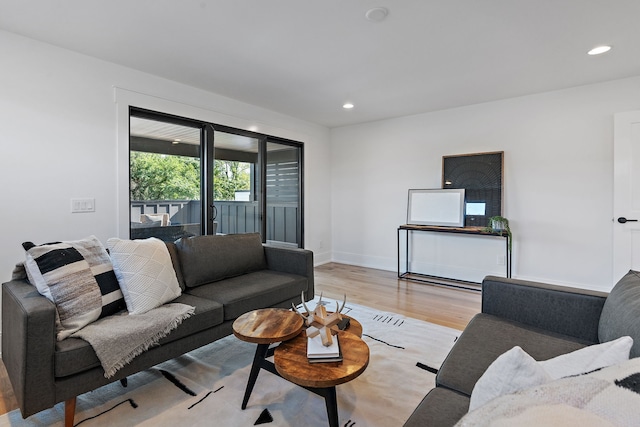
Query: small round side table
x=265 y=327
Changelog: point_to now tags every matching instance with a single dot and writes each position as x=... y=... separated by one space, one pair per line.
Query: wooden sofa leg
x=69 y=411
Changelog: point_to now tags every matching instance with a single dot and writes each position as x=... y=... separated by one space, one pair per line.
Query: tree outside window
x=169 y=177
x=229 y=177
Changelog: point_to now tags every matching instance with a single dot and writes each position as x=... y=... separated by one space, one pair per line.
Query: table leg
x=261 y=354
x=331 y=402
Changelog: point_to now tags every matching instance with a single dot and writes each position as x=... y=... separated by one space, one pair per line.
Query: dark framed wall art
x=481 y=175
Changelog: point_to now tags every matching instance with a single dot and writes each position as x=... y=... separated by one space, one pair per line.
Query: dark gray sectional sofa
x=544 y=320
x=221 y=276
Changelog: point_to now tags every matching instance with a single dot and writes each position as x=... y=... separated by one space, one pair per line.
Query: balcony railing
x=233 y=217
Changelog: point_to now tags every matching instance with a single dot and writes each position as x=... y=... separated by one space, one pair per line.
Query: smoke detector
x=377 y=14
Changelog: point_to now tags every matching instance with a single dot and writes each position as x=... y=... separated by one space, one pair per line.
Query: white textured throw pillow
x=605 y=398
x=512 y=371
x=589 y=358
x=515 y=370
x=145 y=273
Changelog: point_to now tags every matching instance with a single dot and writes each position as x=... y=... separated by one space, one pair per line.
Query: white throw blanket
x=607 y=397
x=119 y=338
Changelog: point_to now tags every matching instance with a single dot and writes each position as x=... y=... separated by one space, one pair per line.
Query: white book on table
x=315 y=348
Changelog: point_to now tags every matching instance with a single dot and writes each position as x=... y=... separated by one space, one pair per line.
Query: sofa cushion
x=78 y=277
x=208 y=314
x=441 y=407
x=206 y=259
x=75 y=355
x=621 y=312
x=486 y=337
x=251 y=291
x=145 y=273
x=175 y=261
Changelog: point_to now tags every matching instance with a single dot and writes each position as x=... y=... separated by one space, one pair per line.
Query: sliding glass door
x=190 y=178
x=283 y=193
x=165 y=179
x=236 y=182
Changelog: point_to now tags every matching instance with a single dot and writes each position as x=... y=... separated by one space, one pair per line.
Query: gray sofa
x=221 y=276
x=544 y=320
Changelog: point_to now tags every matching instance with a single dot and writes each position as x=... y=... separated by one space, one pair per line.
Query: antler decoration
x=319 y=321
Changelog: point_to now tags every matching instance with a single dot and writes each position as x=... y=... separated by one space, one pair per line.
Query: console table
x=446 y=281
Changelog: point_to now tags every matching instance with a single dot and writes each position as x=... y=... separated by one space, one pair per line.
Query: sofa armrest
x=294 y=261
x=568 y=311
x=28 y=345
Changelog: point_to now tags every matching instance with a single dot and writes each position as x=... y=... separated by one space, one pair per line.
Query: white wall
x=59 y=121
x=558 y=178
x=59 y=116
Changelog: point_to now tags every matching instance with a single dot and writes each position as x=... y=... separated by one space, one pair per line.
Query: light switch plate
x=83 y=205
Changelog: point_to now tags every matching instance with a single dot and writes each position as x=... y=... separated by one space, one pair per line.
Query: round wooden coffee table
x=291 y=362
x=265 y=327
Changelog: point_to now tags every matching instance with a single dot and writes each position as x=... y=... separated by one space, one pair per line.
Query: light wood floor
x=374 y=288
x=381 y=289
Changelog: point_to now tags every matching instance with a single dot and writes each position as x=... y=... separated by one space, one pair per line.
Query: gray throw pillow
x=621 y=312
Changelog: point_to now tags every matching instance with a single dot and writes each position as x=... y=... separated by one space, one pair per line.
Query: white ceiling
x=305 y=58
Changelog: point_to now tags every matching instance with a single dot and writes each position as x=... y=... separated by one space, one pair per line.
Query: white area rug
x=384 y=395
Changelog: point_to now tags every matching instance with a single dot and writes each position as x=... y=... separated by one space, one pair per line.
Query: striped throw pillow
x=78 y=277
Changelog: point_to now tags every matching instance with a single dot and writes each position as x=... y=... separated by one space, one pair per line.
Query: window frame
x=207 y=159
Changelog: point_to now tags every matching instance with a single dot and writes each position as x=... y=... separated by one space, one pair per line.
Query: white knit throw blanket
x=605 y=398
x=118 y=339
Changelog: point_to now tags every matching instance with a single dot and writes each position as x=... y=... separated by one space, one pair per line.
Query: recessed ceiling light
x=347 y=106
x=176 y=141
x=599 y=50
x=377 y=14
